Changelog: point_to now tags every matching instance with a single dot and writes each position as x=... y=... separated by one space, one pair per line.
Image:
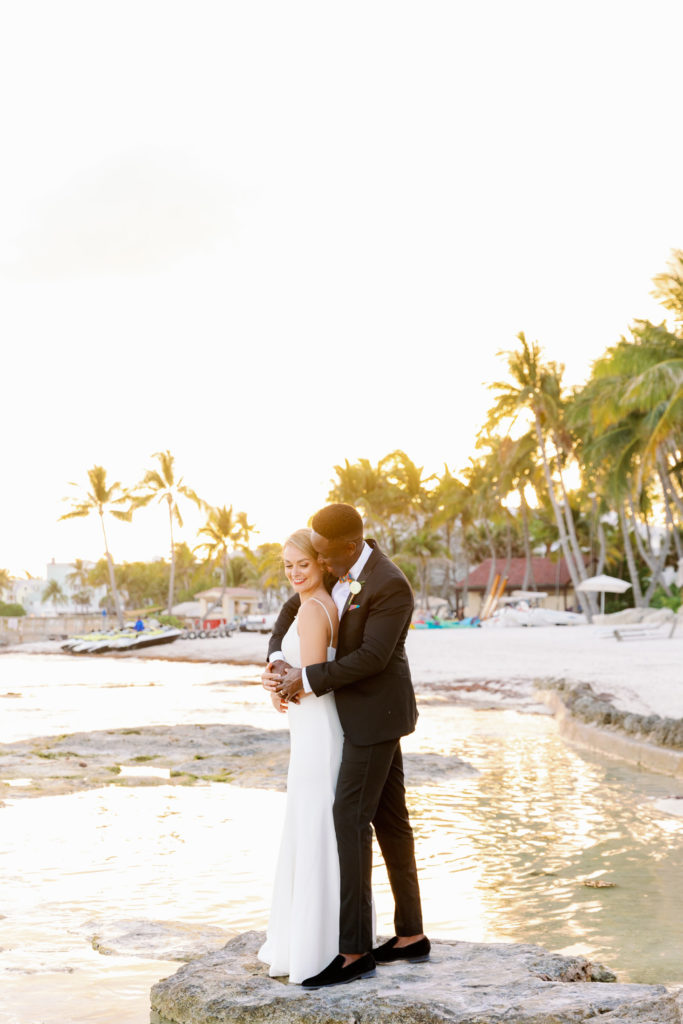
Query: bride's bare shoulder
x=314 y=610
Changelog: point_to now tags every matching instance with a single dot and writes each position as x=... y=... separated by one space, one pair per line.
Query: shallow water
x=503 y=854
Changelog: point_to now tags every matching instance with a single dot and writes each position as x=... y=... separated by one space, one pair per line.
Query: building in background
x=546 y=575
x=29 y=592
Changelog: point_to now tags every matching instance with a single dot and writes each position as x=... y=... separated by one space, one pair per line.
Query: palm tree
x=376 y=497
x=629 y=417
x=524 y=472
x=265 y=569
x=82 y=598
x=79 y=582
x=80 y=576
x=225 y=531
x=102 y=499
x=413 y=493
x=668 y=286
x=53 y=592
x=421 y=548
x=185 y=564
x=5 y=581
x=535 y=388
x=487 y=510
x=643 y=376
x=161 y=484
x=513 y=468
x=244 y=530
x=450 y=515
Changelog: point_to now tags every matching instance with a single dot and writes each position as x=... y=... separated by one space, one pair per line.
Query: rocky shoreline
x=598 y=709
x=651 y=741
x=463 y=983
x=200 y=754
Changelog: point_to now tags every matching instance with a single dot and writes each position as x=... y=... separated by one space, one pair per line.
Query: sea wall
x=652 y=741
x=29 y=628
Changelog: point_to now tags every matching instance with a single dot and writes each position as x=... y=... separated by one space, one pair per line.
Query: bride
x=303 y=930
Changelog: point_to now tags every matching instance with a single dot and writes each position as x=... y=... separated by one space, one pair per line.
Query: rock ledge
x=464 y=983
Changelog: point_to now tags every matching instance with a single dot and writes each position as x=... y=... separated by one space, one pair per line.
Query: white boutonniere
x=355 y=587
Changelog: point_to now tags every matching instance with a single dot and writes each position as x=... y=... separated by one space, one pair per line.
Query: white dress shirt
x=340 y=593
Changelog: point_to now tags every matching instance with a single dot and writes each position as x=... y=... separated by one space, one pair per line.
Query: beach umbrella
x=604 y=585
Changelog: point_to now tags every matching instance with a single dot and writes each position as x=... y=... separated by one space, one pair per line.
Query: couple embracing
x=337 y=665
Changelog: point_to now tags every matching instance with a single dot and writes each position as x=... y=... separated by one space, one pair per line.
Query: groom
x=371 y=682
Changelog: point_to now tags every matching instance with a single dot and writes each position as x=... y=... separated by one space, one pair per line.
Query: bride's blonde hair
x=301 y=539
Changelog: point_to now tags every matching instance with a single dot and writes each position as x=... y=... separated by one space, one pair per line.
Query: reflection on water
x=503 y=854
x=508 y=852
x=54 y=694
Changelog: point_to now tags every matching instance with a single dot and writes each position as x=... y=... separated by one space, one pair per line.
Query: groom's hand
x=272 y=678
x=291 y=685
x=273 y=674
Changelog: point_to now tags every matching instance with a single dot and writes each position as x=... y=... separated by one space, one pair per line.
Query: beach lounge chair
x=644 y=630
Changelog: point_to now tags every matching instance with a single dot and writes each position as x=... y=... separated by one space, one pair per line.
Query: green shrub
x=170 y=620
x=660 y=598
x=14 y=610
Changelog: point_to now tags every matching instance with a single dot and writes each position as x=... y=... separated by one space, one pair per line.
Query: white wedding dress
x=303 y=930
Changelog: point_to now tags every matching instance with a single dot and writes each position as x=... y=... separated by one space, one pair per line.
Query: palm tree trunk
x=492 y=549
x=573 y=540
x=171 y=579
x=602 y=556
x=508 y=548
x=666 y=492
x=630 y=558
x=528 y=567
x=655 y=563
x=224 y=585
x=671 y=476
x=564 y=540
x=112 y=578
x=571 y=529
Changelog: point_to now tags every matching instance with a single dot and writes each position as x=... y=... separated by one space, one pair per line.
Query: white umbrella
x=604 y=584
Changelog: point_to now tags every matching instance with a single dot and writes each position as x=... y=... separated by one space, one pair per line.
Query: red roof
x=546 y=574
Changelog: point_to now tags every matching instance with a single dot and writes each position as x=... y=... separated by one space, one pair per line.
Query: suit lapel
x=345 y=608
x=363 y=576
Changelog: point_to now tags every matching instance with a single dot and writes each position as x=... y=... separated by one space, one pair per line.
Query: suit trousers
x=371 y=792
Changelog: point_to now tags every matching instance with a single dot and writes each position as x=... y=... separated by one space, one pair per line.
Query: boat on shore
x=470 y=622
x=127 y=639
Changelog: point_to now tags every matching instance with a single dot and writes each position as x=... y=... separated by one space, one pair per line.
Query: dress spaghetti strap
x=318 y=601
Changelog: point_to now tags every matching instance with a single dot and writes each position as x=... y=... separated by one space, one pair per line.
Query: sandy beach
x=642 y=674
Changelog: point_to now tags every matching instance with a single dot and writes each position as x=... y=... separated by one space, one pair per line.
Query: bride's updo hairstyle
x=301 y=539
x=338 y=522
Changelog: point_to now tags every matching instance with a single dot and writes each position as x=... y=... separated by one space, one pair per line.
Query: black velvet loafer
x=390 y=953
x=336 y=974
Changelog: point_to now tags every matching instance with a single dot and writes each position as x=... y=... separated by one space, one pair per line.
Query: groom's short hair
x=337 y=522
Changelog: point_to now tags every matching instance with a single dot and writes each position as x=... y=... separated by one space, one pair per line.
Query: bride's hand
x=279 y=704
x=272 y=675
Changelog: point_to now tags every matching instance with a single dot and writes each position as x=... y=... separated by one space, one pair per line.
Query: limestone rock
x=580 y=700
x=240 y=754
x=464 y=983
x=154 y=940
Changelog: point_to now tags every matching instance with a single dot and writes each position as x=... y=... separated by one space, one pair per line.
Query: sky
x=273 y=236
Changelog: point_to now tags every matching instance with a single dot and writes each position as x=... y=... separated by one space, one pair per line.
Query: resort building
x=227 y=603
x=29 y=592
x=545 y=575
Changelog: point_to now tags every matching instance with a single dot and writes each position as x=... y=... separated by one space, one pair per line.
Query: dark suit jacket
x=370 y=677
